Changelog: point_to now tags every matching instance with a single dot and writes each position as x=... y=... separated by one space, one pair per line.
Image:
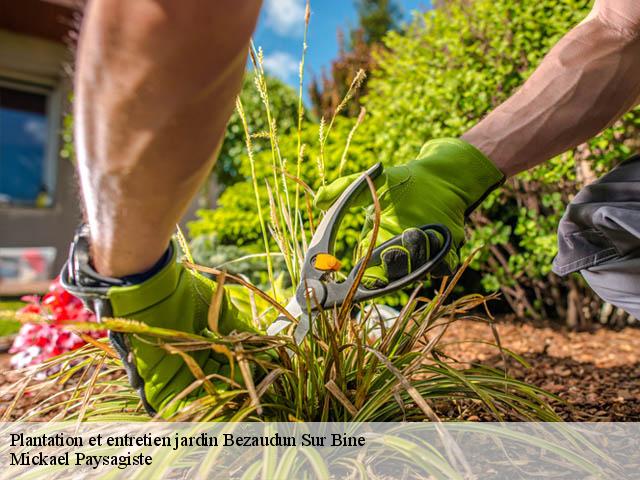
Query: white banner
x=319 y=450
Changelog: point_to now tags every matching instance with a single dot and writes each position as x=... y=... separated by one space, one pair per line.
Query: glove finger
x=413 y=251
x=396 y=261
x=419 y=245
x=451 y=260
x=408 y=251
x=444 y=268
x=435 y=242
x=375 y=277
x=328 y=194
x=416 y=248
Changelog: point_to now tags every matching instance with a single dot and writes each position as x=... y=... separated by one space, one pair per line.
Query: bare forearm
x=155 y=84
x=586 y=82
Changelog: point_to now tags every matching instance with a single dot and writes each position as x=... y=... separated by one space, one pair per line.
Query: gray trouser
x=599 y=236
x=618 y=283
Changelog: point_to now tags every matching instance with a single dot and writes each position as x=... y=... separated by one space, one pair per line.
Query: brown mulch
x=9 y=379
x=596 y=373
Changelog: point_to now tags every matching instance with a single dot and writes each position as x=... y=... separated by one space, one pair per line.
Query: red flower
x=37 y=343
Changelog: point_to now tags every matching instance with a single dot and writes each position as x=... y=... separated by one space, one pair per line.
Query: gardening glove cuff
x=173 y=298
x=461 y=167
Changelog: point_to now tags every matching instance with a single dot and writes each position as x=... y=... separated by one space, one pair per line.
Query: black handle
x=335 y=293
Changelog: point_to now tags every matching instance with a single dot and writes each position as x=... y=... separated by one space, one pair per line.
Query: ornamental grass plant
x=339 y=373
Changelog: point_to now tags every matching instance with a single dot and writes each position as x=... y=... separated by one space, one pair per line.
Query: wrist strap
x=80 y=279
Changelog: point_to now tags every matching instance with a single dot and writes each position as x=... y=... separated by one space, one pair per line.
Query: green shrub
x=207 y=250
x=439 y=78
x=284 y=101
x=8 y=324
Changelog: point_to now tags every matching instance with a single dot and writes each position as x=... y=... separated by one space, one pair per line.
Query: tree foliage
x=375 y=19
x=445 y=73
x=284 y=101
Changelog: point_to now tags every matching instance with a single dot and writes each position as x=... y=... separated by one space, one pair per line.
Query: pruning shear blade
x=282 y=322
x=319 y=291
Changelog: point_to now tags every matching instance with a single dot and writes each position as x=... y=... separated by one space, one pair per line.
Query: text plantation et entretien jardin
x=178 y=441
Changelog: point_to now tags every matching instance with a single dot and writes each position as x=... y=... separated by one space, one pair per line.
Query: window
x=24 y=173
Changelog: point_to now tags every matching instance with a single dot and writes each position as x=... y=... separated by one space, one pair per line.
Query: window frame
x=53 y=114
x=35 y=65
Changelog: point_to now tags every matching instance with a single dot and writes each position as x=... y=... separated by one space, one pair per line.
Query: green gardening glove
x=174 y=298
x=443 y=185
x=168 y=296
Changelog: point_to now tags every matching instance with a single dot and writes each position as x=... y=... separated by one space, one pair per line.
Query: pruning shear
x=317 y=290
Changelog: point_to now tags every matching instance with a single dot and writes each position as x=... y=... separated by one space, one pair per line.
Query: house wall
x=30 y=59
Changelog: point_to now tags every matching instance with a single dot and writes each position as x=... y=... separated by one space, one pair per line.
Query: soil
x=596 y=374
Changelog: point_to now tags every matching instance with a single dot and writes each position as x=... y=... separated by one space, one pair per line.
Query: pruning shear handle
x=328 y=294
x=331 y=294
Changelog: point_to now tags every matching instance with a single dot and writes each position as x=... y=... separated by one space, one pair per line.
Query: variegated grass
x=340 y=373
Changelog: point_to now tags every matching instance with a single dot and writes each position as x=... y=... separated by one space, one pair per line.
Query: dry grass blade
x=454 y=451
x=442 y=328
x=213 y=314
x=248 y=378
x=190 y=389
x=107 y=349
x=406 y=384
x=89 y=391
x=77 y=388
x=445 y=289
x=25 y=383
x=246 y=284
x=341 y=397
x=300 y=182
x=458 y=274
x=503 y=355
x=268 y=380
x=227 y=353
x=193 y=366
x=398 y=399
x=387 y=339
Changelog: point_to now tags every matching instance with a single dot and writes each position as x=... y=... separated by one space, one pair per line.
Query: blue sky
x=280 y=31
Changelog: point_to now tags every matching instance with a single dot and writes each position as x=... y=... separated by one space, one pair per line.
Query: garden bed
x=596 y=373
